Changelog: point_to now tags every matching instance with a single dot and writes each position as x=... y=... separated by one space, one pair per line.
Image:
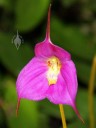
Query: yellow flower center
x=54 y=66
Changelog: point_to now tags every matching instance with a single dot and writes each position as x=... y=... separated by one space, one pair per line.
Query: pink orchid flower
x=50 y=74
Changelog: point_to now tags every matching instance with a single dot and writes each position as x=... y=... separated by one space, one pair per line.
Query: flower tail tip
x=17 y=108
x=48 y=24
x=79 y=116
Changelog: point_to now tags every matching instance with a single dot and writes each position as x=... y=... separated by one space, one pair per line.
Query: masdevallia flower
x=50 y=74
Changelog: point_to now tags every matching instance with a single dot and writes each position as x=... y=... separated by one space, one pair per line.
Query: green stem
x=91 y=94
x=62 y=116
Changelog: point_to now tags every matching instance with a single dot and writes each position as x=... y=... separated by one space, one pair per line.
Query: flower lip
x=54 y=66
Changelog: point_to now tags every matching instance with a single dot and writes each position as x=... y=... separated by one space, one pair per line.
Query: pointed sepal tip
x=48 y=24
x=78 y=114
x=18 y=105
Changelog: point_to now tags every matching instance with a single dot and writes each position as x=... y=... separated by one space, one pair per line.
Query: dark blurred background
x=73 y=27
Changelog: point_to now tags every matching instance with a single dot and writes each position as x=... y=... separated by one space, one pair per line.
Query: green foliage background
x=73 y=27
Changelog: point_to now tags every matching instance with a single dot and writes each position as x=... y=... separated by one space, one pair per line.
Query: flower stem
x=91 y=94
x=62 y=116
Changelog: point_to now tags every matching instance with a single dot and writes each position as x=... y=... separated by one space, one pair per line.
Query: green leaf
x=2 y=2
x=12 y=58
x=53 y=110
x=83 y=103
x=8 y=4
x=28 y=111
x=71 y=39
x=92 y=5
x=28 y=116
x=68 y=2
x=44 y=120
x=3 y=121
x=83 y=71
x=78 y=124
x=29 y=13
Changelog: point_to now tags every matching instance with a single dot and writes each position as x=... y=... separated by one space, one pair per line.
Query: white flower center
x=54 y=66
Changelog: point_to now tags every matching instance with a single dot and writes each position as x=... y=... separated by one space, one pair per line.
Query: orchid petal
x=48 y=49
x=29 y=83
x=58 y=93
x=69 y=74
